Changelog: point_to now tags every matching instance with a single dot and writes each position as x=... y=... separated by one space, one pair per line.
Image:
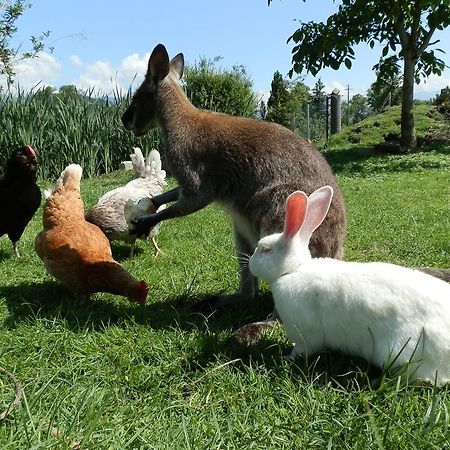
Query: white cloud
x=134 y=64
x=101 y=76
x=104 y=77
x=76 y=60
x=433 y=84
x=43 y=70
x=330 y=86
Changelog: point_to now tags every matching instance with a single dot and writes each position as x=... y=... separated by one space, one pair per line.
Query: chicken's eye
x=265 y=250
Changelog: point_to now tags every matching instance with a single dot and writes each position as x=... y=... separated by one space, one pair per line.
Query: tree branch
x=399 y=25
x=426 y=40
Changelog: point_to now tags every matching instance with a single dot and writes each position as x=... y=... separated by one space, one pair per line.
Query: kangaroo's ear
x=158 y=64
x=296 y=209
x=318 y=205
x=177 y=65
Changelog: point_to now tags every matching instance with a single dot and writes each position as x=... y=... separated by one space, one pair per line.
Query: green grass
x=115 y=375
x=371 y=130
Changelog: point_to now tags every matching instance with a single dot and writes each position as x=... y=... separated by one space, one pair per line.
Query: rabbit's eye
x=265 y=250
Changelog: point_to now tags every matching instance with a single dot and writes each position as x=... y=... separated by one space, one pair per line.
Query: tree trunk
x=408 y=140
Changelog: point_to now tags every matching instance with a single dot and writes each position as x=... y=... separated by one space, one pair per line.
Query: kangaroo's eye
x=265 y=250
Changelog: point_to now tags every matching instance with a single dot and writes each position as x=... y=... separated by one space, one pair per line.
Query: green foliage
x=299 y=97
x=442 y=101
x=287 y=102
x=222 y=90
x=10 y=12
x=352 y=150
x=387 y=89
x=277 y=104
x=443 y=96
x=69 y=128
x=405 y=27
x=113 y=375
x=404 y=23
x=68 y=90
x=318 y=111
x=356 y=109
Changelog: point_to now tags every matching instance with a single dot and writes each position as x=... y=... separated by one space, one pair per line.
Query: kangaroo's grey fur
x=247 y=166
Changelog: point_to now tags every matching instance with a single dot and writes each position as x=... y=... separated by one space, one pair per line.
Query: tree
x=226 y=91
x=358 y=109
x=68 y=90
x=10 y=11
x=277 y=104
x=318 y=111
x=386 y=90
x=318 y=97
x=287 y=101
x=299 y=96
x=404 y=27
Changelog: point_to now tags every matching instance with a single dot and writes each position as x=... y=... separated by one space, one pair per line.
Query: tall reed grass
x=64 y=128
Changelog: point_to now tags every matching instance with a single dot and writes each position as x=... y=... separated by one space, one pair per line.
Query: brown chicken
x=76 y=252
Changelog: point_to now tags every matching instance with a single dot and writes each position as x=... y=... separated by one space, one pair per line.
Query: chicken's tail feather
x=154 y=166
x=137 y=159
x=150 y=167
x=70 y=177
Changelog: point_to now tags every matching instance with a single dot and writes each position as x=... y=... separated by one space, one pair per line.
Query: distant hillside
x=364 y=147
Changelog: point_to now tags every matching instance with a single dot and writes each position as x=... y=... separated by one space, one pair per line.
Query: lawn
x=115 y=375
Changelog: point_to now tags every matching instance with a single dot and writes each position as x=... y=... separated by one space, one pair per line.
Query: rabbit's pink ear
x=318 y=205
x=296 y=206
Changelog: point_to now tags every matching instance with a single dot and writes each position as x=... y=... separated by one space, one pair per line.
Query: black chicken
x=20 y=196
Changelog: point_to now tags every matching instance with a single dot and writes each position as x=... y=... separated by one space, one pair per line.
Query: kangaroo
x=246 y=166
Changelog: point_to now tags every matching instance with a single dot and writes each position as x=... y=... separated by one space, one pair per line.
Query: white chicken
x=140 y=208
x=111 y=213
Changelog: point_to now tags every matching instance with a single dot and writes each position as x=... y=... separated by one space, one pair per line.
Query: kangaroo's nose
x=128 y=119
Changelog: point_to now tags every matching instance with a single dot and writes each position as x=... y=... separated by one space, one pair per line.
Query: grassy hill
x=354 y=150
x=112 y=375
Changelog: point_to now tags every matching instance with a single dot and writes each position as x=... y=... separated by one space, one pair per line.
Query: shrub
x=221 y=90
x=442 y=101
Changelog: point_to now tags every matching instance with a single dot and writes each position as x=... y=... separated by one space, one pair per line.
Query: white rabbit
x=392 y=316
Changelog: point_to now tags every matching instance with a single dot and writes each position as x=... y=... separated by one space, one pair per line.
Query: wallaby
x=247 y=166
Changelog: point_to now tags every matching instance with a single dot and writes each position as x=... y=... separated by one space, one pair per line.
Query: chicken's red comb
x=31 y=150
x=144 y=292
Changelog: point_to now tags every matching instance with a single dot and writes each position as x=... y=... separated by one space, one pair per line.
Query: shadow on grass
x=326 y=369
x=339 y=160
x=49 y=300
x=355 y=159
x=121 y=250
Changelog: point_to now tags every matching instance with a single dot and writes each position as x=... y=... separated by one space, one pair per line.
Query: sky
x=101 y=44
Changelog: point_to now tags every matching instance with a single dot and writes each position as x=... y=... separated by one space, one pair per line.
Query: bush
x=442 y=101
x=226 y=91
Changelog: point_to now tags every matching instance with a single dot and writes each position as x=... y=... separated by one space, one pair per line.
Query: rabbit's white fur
x=390 y=315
